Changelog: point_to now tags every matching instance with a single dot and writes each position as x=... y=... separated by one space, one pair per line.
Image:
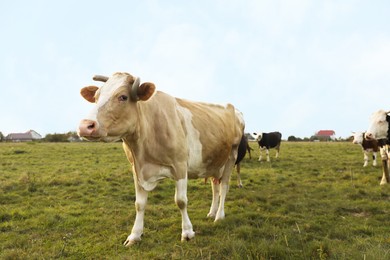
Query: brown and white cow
x=165 y=137
x=379 y=129
x=367 y=146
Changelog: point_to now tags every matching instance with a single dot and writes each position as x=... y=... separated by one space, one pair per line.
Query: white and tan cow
x=165 y=137
x=379 y=129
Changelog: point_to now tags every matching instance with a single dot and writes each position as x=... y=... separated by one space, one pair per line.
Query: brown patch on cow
x=218 y=130
x=89 y=93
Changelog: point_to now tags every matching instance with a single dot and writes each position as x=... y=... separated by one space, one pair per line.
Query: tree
x=1 y=137
x=60 y=137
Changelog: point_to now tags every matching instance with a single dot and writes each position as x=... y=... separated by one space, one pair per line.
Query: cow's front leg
x=181 y=201
x=140 y=204
x=261 y=154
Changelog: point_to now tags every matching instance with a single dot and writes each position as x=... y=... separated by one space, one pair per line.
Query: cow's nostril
x=91 y=126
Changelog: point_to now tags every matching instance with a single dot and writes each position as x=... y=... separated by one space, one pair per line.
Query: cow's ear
x=89 y=93
x=146 y=90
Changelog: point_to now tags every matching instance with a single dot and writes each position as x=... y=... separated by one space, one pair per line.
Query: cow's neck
x=386 y=141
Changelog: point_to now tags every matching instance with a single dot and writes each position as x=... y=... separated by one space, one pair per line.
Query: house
x=325 y=135
x=30 y=135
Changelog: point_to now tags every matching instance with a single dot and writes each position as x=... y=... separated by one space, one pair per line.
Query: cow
x=268 y=141
x=367 y=146
x=165 y=137
x=379 y=129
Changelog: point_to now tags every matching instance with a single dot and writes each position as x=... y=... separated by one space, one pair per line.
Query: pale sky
x=292 y=66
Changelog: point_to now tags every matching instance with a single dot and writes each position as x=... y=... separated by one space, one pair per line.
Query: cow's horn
x=134 y=90
x=100 y=78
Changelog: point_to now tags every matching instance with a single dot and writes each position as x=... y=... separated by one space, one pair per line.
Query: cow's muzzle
x=89 y=129
x=369 y=136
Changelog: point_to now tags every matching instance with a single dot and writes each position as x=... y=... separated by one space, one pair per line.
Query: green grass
x=76 y=201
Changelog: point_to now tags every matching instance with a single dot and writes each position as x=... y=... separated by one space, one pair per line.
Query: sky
x=295 y=66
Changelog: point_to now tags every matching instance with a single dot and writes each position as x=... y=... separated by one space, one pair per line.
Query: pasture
x=76 y=201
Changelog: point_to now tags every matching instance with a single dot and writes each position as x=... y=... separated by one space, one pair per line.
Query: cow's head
x=257 y=136
x=379 y=125
x=357 y=137
x=115 y=114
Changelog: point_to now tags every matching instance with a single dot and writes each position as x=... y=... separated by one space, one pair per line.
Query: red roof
x=326 y=133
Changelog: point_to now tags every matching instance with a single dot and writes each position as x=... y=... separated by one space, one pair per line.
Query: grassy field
x=76 y=201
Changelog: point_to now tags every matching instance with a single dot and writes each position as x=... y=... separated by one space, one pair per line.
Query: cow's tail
x=241 y=149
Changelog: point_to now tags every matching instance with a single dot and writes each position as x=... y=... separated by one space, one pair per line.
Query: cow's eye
x=122 y=98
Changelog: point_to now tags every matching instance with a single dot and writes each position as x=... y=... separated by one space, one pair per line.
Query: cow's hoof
x=187 y=236
x=131 y=240
x=211 y=215
x=219 y=217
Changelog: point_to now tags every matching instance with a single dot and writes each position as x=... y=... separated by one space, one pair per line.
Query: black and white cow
x=267 y=141
x=379 y=129
x=367 y=146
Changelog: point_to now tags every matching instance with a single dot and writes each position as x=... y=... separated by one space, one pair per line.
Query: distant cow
x=367 y=146
x=379 y=129
x=165 y=137
x=268 y=141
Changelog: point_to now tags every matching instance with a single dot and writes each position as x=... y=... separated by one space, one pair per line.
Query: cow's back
x=270 y=140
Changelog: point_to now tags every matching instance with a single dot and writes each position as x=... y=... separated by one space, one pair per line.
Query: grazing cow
x=367 y=146
x=268 y=141
x=206 y=139
x=379 y=129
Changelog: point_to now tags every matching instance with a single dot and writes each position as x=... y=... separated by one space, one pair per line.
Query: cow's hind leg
x=277 y=151
x=374 y=159
x=385 y=174
x=224 y=187
x=365 y=158
x=182 y=201
x=238 y=168
x=140 y=203
x=385 y=166
x=267 y=152
x=214 y=203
